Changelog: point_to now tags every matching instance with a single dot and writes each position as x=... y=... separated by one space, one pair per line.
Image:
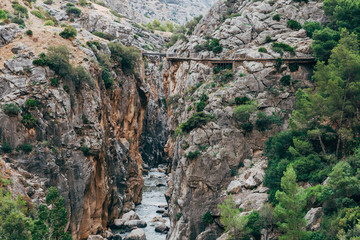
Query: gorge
x=117 y=123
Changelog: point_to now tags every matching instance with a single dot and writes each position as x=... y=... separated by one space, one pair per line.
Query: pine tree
x=231 y=219
x=290 y=209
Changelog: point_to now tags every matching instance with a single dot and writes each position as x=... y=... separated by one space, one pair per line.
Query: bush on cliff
x=196 y=120
x=19 y=219
x=58 y=60
x=193 y=155
x=68 y=32
x=11 y=109
x=127 y=58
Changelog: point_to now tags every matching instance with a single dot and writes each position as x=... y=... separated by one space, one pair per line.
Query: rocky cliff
x=177 y=11
x=83 y=140
x=220 y=152
x=208 y=120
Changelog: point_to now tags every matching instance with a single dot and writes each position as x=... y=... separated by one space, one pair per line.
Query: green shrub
x=85 y=150
x=68 y=32
x=279 y=47
x=80 y=76
x=84 y=118
x=29 y=33
x=66 y=88
x=276 y=17
x=104 y=35
x=127 y=57
x=293 y=67
x=263 y=50
x=200 y=106
x=54 y=82
x=247 y=127
x=207 y=218
x=32 y=103
x=268 y=39
x=264 y=122
x=20 y=10
x=48 y=2
x=192 y=24
x=11 y=109
x=224 y=76
x=58 y=61
x=28 y=120
x=242 y=113
x=25 y=148
x=108 y=80
x=285 y=80
x=294 y=25
x=210 y=45
x=6 y=147
x=74 y=11
x=233 y=171
x=196 y=120
x=241 y=100
x=49 y=23
x=176 y=37
x=278 y=64
x=204 y=97
x=37 y=14
x=311 y=27
x=82 y=3
x=3 y=14
x=193 y=155
x=18 y=21
x=178 y=216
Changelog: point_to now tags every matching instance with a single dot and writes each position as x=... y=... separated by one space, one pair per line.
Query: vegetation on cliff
x=19 y=219
x=322 y=145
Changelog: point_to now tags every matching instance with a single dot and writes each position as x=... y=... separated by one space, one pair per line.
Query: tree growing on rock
x=290 y=210
x=230 y=217
x=52 y=221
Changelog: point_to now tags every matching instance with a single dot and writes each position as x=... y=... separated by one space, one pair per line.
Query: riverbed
x=153 y=197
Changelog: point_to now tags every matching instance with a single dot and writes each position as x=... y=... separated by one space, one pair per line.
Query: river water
x=153 y=197
x=155 y=186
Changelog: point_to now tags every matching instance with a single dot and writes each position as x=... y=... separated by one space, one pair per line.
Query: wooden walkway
x=175 y=58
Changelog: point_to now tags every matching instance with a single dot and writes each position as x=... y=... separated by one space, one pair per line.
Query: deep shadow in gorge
x=155 y=124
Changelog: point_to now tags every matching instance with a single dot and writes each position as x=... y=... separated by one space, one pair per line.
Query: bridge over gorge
x=232 y=62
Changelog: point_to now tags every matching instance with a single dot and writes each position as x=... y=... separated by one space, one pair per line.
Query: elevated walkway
x=175 y=58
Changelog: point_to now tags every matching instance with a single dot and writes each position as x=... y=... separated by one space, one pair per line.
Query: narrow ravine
x=152 y=210
x=154 y=203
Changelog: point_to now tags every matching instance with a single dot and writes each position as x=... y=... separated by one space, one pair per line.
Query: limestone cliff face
x=98 y=187
x=177 y=11
x=155 y=125
x=84 y=141
x=231 y=157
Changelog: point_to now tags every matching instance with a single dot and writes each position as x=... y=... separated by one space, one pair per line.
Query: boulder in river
x=130 y=216
x=116 y=237
x=107 y=234
x=136 y=234
x=161 y=211
x=158 y=219
x=166 y=213
x=162 y=228
x=132 y=224
x=160 y=184
x=95 y=237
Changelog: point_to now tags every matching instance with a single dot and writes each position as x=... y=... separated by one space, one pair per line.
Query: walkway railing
x=175 y=57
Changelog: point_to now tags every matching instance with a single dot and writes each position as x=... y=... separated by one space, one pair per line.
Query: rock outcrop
x=226 y=156
x=178 y=11
x=84 y=141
